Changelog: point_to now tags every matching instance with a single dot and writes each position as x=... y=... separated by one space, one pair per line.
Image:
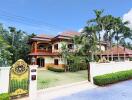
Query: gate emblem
x=19 y=79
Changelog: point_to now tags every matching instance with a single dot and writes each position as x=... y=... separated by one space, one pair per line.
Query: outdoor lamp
x=33 y=60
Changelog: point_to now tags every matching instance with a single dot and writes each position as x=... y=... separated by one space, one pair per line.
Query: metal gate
x=19 y=79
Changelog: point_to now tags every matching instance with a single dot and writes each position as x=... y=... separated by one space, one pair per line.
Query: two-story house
x=46 y=49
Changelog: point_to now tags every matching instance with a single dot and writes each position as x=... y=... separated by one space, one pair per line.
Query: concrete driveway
x=118 y=91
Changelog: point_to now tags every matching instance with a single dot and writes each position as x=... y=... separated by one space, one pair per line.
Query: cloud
x=128 y=17
x=80 y=30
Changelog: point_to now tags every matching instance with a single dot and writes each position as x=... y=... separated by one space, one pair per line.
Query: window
x=55 y=61
x=41 y=46
x=56 y=46
x=69 y=62
x=70 y=46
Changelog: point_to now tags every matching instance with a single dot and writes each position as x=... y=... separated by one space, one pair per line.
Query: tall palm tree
x=99 y=25
x=120 y=30
x=88 y=43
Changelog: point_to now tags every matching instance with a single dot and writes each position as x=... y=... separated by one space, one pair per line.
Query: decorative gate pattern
x=19 y=79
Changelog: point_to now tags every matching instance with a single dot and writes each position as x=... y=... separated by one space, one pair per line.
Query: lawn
x=48 y=78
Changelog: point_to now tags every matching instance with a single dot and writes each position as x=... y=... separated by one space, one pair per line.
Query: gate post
x=4 y=79
x=33 y=82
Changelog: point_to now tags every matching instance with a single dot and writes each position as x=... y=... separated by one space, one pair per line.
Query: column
x=4 y=79
x=33 y=82
x=35 y=47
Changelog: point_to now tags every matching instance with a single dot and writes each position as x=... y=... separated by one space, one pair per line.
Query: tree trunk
x=100 y=45
x=117 y=39
x=88 y=69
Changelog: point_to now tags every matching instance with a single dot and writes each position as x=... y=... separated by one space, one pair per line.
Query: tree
x=98 y=24
x=18 y=42
x=121 y=31
x=88 y=41
x=5 y=55
x=64 y=54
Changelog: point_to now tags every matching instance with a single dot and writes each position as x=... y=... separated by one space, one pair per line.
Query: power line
x=39 y=26
x=31 y=20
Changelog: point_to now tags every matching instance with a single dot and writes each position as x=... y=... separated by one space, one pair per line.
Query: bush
x=56 y=69
x=77 y=67
x=103 y=60
x=112 y=77
x=4 y=96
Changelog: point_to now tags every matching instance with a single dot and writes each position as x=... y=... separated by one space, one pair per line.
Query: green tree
x=5 y=55
x=97 y=22
x=88 y=44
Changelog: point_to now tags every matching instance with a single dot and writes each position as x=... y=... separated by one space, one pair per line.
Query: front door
x=41 y=62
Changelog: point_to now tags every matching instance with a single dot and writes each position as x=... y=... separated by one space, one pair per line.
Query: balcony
x=43 y=50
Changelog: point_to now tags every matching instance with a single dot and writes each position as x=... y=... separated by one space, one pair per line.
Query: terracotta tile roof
x=40 y=39
x=44 y=54
x=117 y=49
x=44 y=36
x=70 y=33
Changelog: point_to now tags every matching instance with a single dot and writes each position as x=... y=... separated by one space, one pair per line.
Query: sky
x=54 y=16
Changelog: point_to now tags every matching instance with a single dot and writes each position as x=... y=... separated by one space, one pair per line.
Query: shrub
x=112 y=77
x=103 y=60
x=4 y=96
x=77 y=67
x=56 y=69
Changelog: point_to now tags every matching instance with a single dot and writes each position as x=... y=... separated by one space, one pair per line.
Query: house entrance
x=41 y=62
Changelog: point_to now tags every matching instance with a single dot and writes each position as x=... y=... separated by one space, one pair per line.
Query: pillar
x=4 y=79
x=33 y=82
x=35 y=47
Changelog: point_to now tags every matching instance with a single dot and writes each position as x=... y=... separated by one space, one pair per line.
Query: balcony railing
x=43 y=50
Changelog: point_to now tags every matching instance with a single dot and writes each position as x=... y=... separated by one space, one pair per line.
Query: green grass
x=48 y=78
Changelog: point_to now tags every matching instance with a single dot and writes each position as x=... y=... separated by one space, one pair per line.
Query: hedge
x=56 y=69
x=4 y=96
x=112 y=77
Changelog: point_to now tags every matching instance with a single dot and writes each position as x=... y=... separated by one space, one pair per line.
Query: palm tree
x=64 y=54
x=97 y=22
x=88 y=42
x=120 y=31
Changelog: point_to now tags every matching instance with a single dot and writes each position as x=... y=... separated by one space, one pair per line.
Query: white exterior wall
x=49 y=59
x=64 y=42
x=105 y=68
x=102 y=47
x=4 y=79
x=59 y=46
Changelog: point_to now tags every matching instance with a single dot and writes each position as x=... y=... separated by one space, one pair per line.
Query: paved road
x=119 y=91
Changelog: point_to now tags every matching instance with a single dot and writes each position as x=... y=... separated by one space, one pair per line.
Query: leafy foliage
x=112 y=77
x=16 y=42
x=4 y=96
x=56 y=69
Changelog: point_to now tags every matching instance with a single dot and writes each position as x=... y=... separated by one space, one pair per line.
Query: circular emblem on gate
x=20 y=68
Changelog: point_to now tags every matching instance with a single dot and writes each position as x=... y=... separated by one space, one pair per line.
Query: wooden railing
x=41 y=50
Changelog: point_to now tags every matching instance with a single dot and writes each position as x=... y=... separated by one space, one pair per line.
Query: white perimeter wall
x=105 y=68
x=4 y=79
